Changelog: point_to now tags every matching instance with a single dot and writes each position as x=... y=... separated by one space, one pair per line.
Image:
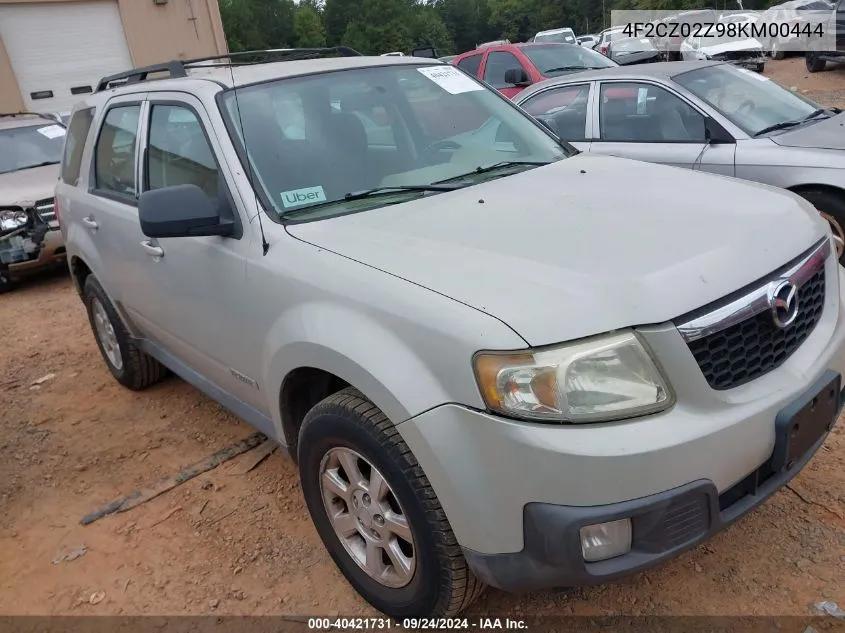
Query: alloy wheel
x=367 y=517
x=105 y=334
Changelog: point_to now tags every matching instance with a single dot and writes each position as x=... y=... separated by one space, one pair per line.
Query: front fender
x=364 y=353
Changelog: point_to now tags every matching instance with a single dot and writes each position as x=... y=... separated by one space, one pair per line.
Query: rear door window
x=471 y=64
x=77 y=133
x=114 y=158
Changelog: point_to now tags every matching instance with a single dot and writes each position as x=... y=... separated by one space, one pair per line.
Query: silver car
x=494 y=363
x=707 y=116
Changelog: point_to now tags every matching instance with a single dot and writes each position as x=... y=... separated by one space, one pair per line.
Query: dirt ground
x=243 y=544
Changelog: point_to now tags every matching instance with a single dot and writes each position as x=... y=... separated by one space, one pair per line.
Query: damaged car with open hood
x=30 y=153
x=745 y=52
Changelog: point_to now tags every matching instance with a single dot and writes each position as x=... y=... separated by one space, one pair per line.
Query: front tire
x=131 y=367
x=6 y=283
x=377 y=514
x=832 y=209
x=777 y=53
x=814 y=63
x=760 y=68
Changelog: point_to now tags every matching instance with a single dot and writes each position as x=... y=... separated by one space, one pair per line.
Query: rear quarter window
x=77 y=133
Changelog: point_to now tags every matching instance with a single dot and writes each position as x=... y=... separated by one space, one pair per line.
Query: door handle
x=152 y=249
x=89 y=222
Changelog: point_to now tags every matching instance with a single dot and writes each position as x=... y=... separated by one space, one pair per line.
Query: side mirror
x=715 y=134
x=180 y=211
x=517 y=77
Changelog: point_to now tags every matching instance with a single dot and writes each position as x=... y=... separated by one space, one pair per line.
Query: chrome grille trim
x=756 y=300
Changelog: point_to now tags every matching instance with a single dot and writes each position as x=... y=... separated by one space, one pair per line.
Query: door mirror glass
x=180 y=211
x=517 y=77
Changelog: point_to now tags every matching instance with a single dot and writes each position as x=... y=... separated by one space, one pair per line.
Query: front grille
x=46 y=209
x=747 y=344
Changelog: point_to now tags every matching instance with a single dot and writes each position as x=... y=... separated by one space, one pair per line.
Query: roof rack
x=42 y=115
x=178 y=68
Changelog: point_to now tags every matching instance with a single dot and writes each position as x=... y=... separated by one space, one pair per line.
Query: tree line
x=452 y=26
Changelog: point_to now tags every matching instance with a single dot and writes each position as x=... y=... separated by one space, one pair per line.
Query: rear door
x=644 y=121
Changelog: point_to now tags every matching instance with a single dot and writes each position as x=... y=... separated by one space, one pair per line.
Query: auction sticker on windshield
x=450 y=79
x=298 y=197
x=52 y=131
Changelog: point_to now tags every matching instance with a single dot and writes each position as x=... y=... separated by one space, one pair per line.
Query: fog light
x=605 y=540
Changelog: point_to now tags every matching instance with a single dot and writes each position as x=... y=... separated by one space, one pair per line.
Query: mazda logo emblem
x=783 y=300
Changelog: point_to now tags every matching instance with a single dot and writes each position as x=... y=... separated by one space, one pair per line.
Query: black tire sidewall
x=7 y=284
x=93 y=290
x=828 y=203
x=331 y=430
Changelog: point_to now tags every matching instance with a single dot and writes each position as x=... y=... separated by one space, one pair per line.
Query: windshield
x=313 y=141
x=30 y=146
x=566 y=37
x=748 y=99
x=631 y=45
x=556 y=59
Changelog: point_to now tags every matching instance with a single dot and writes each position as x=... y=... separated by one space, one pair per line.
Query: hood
x=730 y=47
x=569 y=250
x=24 y=188
x=637 y=58
x=824 y=134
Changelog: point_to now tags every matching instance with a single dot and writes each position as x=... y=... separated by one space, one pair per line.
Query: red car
x=510 y=68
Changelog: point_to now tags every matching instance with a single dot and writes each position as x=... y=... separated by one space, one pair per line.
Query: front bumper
x=663 y=526
x=52 y=255
x=516 y=493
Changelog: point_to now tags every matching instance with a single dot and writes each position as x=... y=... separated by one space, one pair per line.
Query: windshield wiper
x=562 y=68
x=44 y=164
x=377 y=191
x=495 y=166
x=372 y=193
x=814 y=114
x=787 y=124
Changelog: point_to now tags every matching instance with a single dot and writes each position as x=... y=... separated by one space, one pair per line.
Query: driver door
x=644 y=121
x=191 y=291
x=495 y=67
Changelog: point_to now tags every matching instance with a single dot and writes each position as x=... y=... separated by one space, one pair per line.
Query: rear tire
x=6 y=283
x=832 y=208
x=814 y=63
x=431 y=578
x=760 y=68
x=131 y=367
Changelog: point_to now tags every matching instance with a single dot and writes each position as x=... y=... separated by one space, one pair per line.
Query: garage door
x=59 y=50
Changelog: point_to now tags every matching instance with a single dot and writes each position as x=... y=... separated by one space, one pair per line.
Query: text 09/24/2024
x=416 y=624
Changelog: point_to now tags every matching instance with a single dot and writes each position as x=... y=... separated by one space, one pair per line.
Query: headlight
x=603 y=378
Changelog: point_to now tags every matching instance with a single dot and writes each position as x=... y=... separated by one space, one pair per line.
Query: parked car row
x=496 y=359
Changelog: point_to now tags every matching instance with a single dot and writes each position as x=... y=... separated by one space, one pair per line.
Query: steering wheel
x=437 y=146
x=746 y=107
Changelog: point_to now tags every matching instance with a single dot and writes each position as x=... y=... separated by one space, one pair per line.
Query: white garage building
x=51 y=52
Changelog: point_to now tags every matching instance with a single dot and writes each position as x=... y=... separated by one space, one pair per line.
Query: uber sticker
x=52 y=131
x=450 y=79
x=298 y=197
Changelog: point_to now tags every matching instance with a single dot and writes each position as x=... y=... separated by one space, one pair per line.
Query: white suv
x=497 y=360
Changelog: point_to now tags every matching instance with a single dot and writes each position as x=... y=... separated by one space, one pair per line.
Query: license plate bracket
x=800 y=425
